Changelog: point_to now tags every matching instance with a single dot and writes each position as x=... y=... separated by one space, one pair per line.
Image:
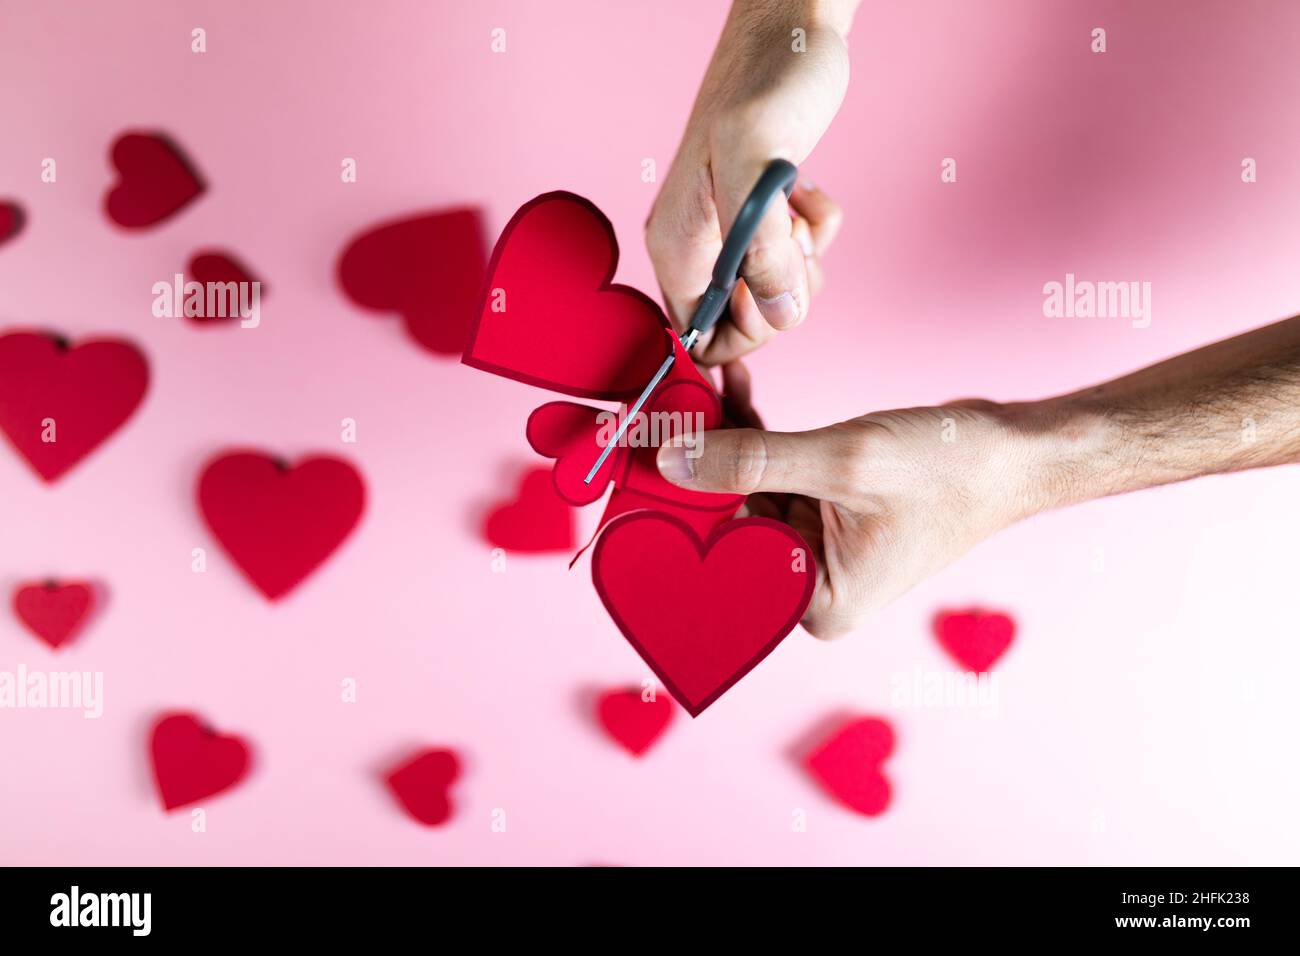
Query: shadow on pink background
x=1144 y=714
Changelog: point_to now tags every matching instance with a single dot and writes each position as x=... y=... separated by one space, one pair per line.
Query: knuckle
x=746 y=461
x=763 y=259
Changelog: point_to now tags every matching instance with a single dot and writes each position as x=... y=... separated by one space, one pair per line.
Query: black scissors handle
x=779 y=176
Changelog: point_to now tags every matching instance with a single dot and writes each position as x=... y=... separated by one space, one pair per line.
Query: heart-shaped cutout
x=633 y=720
x=191 y=761
x=571 y=434
x=223 y=268
x=59 y=402
x=848 y=763
x=279 y=523
x=155 y=180
x=537 y=521
x=702 y=613
x=421 y=785
x=54 y=610
x=550 y=314
x=427 y=268
x=975 y=638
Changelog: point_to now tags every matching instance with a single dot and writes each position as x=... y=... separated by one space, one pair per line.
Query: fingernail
x=807 y=184
x=675 y=464
x=781 y=312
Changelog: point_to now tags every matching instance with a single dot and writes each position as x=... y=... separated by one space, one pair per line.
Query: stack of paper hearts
x=702 y=595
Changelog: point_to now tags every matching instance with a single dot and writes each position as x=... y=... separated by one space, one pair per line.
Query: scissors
x=779 y=176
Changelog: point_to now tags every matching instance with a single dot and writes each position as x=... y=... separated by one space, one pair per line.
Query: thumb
x=748 y=460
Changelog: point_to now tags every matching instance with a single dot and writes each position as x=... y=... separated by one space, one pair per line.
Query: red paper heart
x=539 y=520
x=53 y=611
x=220 y=267
x=551 y=317
x=975 y=639
x=848 y=763
x=428 y=268
x=191 y=761
x=11 y=220
x=702 y=614
x=421 y=783
x=86 y=392
x=156 y=180
x=279 y=523
x=633 y=722
x=570 y=433
x=702 y=521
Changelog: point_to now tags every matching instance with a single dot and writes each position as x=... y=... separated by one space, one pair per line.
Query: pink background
x=1146 y=711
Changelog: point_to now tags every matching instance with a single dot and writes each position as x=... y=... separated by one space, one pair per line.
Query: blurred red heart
x=975 y=639
x=191 y=761
x=57 y=403
x=221 y=268
x=633 y=722
x=427 y=268
x=155 y=180
x=550 y=315
x=421 y=783
x=11 y=220
x=54 y=611
x=848 y=764
x=702 y=613
x=539 y=520
x=277 y=522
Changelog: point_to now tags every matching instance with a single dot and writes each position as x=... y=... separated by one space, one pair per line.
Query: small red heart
x=191 y=761
x=975 y=639
x=53 y=611
x=702 y=614
x=634 y=722
x=428 y=268
x=421 y=783
x=539 y=520
x=570 y=433
x=11 y=220
x=222 y=268
x=57 y=403
x=277 y=522
x=848 y=763
x=156 y=180
x=550 y=315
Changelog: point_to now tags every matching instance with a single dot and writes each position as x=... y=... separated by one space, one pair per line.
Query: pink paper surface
x=1147 y=712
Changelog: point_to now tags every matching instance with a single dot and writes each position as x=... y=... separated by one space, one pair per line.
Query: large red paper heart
x=54 y=611
x=428 y=268
x=550 y=315
x=421 y=783
x=702 y=614
x=155 y=180
x=635 y=723
x=222 y=268
x=11 y=220
x=537 y=521
x=75 y=396
x=975 y=639
x=848 y=763
x=277 y=522
x=191 y=761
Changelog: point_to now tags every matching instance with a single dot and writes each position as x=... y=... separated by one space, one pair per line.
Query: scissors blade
x=627 y=419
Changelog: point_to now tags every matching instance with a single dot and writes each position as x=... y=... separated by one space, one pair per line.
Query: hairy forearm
x=1229 y=406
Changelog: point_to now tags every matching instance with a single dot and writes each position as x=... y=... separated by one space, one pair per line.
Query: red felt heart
x=58 y=403
x=191 y=761
x=571 y=434
x=428 y=268
x=155 y=181
x=848 y=763
x=421 y=783
x=634 y=722
x=11 y=220
x=702 y=613
x=277 y=522
x=539 y=520
x=53 y=611
x=975 y=639
x=222 y=268
x=550 y=315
